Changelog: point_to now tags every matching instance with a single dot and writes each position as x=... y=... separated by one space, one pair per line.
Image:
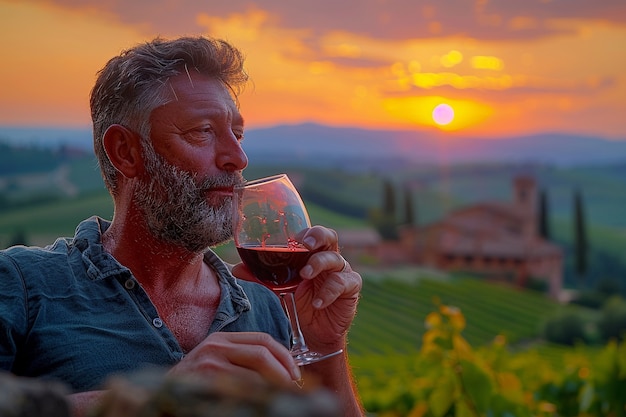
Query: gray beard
x=176 y=207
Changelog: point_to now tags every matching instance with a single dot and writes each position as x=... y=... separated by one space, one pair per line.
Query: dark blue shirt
x=72 y=313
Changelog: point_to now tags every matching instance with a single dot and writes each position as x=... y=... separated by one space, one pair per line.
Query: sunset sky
x=501 y=67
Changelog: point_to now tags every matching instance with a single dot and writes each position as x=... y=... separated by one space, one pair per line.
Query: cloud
x=379 y=19
x=354 y=62
x=503 y=85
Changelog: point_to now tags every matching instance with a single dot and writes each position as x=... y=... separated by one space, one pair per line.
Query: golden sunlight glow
x=419 y=111
x=451 y=59
x=487 y=62
x=414 y=66
x=428 y=80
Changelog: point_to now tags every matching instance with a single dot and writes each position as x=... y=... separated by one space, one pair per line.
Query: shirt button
x=157 y=322
x=129 y=284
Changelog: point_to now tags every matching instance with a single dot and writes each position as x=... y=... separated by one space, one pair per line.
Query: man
x=145 y=289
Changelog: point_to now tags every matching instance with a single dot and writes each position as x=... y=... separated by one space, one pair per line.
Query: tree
x=389 y=199
x=544 y=224
x=18 y=238
x=409 y=214
x=384 y=219
x=565 y=328
x=612 y=323
x=580 y=235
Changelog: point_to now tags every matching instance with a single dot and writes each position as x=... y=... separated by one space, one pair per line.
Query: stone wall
x=150 y=394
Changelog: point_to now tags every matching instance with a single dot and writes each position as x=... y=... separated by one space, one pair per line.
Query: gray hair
x=133 y=84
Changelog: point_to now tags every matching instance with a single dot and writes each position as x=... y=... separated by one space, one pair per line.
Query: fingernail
x=310 y=241
x=306 y=271
x=317 y=303
x=297 y=375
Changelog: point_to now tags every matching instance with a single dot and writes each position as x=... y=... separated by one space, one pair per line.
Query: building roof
x=488 y=229
x=358 y=237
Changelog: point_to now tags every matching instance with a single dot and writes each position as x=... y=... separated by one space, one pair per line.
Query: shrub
x=448 y=377
x=537 y=284
x=609 y=287
x=591 y=298
x=612 y=323
x=566 y=328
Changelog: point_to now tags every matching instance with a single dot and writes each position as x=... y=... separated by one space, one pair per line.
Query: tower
x=525 y=201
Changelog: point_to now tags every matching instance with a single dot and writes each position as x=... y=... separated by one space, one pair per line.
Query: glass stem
x=298 y=345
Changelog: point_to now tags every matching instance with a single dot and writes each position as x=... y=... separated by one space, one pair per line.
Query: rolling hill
x=45 y=192
x=319 y=145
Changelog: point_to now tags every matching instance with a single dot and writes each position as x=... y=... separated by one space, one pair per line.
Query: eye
x=239 y=135
x=198 y=134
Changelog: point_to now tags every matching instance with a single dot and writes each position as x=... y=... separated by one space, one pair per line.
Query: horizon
x=487 y=69
x=327 y=145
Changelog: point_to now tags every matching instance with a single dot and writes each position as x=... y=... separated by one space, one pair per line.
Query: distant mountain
x=47 y=136
x=313 y=144
x=330 y=145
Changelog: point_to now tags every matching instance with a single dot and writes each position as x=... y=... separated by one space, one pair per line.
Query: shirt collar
x=101 y=264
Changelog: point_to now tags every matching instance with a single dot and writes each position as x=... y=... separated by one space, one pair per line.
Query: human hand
x=246 y=355
x=328 y=296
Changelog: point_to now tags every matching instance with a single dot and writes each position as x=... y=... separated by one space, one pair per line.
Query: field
x=392 y=311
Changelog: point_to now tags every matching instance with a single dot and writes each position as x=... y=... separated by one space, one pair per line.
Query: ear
x=123 y=147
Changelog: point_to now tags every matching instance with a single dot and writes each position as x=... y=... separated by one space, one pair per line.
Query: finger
x=320 y=238
x=253 y=351
x=264 y=348
x=265 y=363
x=346 y=266
x=329 y=291
x=333 y=278
x=238 y=373
x=326 y=261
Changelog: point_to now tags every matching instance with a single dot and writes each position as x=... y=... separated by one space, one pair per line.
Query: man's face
x=176 y=208
x=186 y=190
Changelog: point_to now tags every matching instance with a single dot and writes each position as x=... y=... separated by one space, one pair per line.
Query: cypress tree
x=409 y=216
x=544 y=225
x=385 y=218
x=580 y=235
x=389 y=200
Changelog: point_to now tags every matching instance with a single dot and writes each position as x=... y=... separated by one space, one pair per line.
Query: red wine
x=275 y=266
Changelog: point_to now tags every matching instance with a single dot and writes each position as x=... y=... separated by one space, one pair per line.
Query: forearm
x=334 y=373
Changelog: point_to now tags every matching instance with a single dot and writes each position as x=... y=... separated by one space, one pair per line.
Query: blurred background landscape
x=48 y=186
x=49 y=181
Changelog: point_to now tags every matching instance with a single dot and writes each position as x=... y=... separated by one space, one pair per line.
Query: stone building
x=496 y=240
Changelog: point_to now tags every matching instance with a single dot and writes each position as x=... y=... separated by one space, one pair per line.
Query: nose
x=230 y=154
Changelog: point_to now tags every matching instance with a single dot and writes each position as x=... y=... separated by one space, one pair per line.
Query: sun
x=443 y=114
x=440 y=113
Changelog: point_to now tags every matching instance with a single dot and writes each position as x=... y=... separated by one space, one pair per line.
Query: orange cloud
x=371 y=66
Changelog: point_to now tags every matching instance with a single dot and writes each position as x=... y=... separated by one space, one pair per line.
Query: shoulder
x=35 y=268
x=31 y=256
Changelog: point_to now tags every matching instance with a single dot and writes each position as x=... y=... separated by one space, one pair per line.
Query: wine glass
x=268 y=216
